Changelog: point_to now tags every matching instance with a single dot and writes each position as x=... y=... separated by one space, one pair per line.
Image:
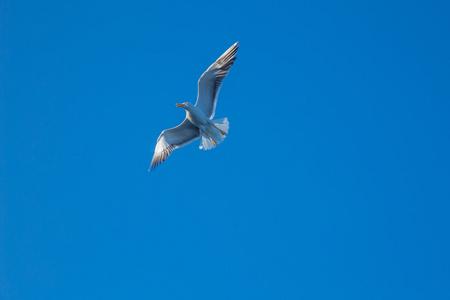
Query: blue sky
x=333 y=183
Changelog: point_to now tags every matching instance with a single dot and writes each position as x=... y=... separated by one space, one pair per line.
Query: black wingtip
x=153 y=165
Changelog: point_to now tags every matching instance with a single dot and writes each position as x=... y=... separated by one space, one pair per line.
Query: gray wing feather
x=171 y=139
x=210 y=82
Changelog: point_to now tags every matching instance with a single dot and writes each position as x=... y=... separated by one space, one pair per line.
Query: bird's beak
x=179 y=105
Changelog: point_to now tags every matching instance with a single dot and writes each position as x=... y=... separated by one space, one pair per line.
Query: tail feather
x=206 y=143
x=221 y=124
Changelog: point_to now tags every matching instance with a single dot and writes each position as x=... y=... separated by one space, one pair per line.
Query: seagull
x=199 y=121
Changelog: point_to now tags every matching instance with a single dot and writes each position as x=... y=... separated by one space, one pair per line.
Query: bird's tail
x=222 y=124
x=209 y=142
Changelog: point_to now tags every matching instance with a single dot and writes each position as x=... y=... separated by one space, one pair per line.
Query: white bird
x=198 y=122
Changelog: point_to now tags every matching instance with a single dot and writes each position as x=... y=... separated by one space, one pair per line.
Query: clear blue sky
x=333 y=183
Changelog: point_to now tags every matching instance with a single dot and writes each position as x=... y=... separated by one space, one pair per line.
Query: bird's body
x=197 y=117
x=198 y=122
x=204 y=124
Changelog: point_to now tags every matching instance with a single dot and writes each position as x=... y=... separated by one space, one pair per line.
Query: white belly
x=203 y=123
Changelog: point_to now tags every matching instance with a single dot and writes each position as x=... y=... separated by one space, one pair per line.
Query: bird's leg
x=213 y=142
x=221 y=131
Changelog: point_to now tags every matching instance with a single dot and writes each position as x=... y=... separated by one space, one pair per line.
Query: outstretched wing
x=210 y=82
x=171 y=139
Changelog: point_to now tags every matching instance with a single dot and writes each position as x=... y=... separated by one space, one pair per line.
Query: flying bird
x=199 y=123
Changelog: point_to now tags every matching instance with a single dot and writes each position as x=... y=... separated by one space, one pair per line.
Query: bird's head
x=184 y=105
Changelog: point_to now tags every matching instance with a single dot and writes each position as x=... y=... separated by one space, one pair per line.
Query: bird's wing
x=171 y=139
x=210 y=82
